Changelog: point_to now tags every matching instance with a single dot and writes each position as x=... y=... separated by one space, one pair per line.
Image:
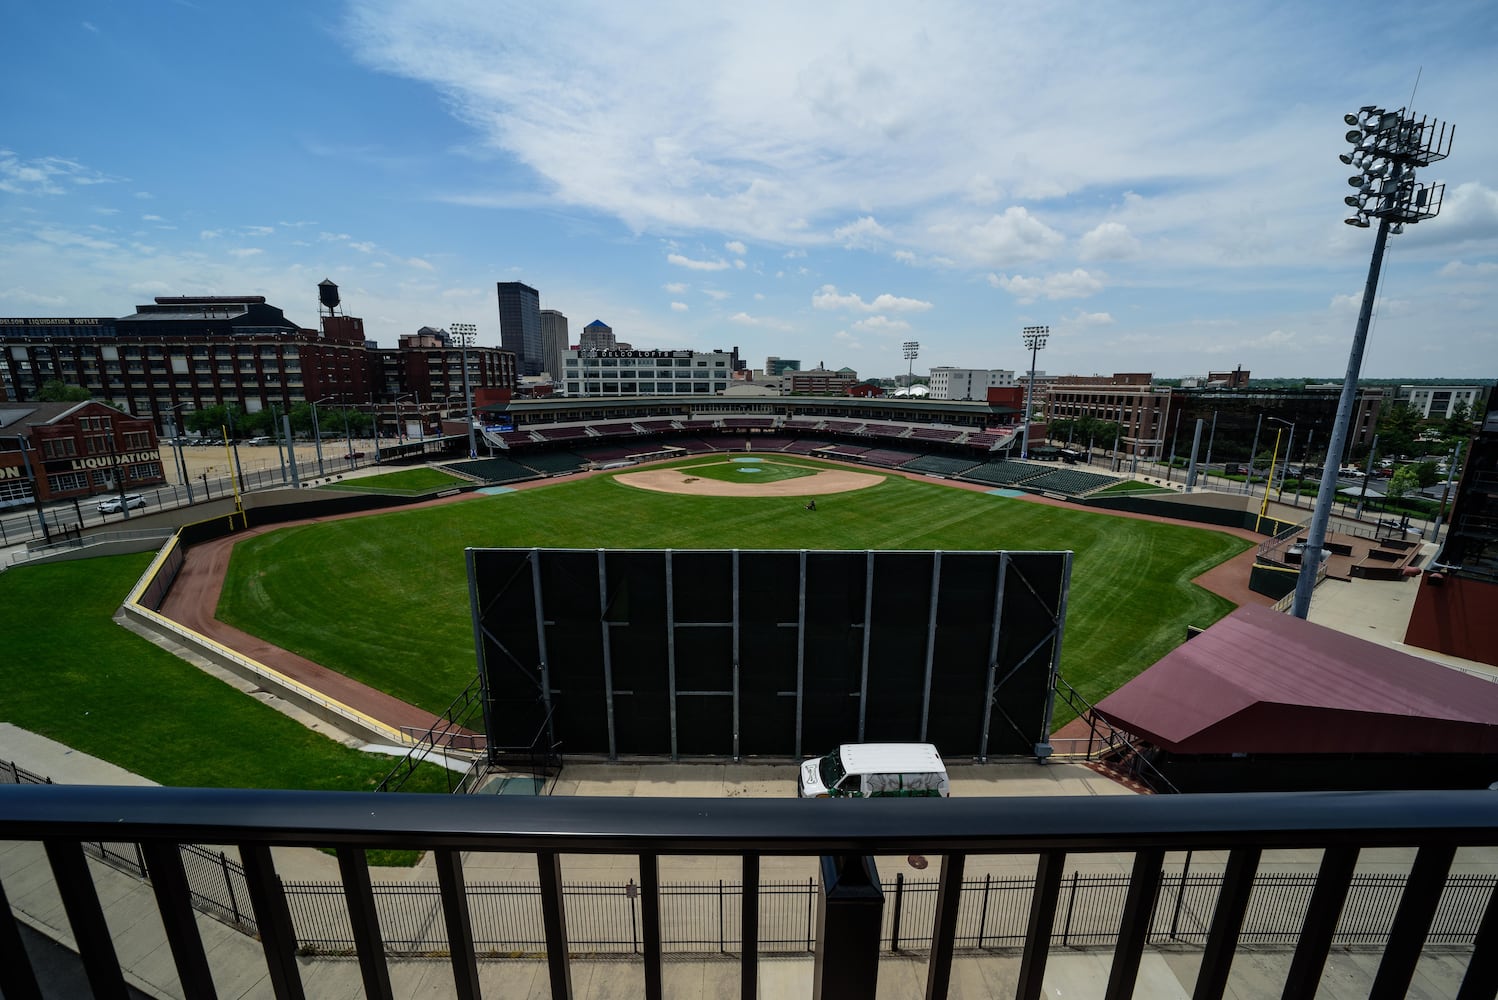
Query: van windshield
x=831 y=769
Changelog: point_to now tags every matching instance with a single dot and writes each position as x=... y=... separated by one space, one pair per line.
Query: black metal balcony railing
x=850 y=917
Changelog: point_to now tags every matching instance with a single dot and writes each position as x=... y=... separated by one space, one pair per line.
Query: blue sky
x=1157 y=182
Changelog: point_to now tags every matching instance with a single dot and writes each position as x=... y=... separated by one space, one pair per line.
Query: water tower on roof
x=327 y=294
x=349 y=329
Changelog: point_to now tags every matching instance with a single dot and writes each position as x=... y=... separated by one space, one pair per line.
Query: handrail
x=597 y=825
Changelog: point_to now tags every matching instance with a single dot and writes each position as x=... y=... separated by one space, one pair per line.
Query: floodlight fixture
x=1391 y=145
x=1034 y=338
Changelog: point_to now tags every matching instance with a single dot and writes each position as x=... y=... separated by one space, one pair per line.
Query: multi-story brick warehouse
x=1152 y=418
x=58 y=451
x=182 y=353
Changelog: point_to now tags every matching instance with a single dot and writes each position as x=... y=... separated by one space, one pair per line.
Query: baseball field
x=384 y=598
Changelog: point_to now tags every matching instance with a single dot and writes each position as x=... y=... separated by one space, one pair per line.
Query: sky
x=1157 y=183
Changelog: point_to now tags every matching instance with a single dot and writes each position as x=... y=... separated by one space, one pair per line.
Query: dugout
x=1263 y=701
x=776 y=654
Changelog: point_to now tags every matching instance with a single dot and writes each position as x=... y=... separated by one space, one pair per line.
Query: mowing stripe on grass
x=384 y=598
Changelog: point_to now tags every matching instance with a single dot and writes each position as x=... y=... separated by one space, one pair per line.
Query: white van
x=875 y=770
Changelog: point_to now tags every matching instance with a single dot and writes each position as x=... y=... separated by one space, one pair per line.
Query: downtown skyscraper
x=520 y=325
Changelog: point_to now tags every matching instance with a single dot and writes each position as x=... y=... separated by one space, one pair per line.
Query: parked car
x=113 y=505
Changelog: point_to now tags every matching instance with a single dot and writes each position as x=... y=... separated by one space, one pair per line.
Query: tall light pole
x=1285 y=469
x=1387 y=148
x=317 y=434
x=911 y=350
x=177 y=446
x=466 y=332
x=1034 y=338
x=400 y=428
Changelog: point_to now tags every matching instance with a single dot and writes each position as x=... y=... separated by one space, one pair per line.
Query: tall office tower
x=553 y=342
x=520 y=325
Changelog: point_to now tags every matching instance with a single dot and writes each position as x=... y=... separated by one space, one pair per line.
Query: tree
x=57 y=391
x=1398 y=429
x=1404 y=480
x=1427 y=474
x=210 y=419
x=1458 y=426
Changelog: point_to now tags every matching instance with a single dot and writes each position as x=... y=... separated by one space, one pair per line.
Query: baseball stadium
x=565 y=615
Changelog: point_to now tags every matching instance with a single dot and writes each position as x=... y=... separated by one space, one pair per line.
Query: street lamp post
x=1388 y=146
x=466 y=332
x=911 y=350
x=1034 y=338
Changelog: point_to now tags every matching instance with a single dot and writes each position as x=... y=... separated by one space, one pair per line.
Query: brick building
x=61 y=451
x=182 y=353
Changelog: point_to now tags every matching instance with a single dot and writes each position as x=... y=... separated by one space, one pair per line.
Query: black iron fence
x=704 y=917
x=150 y=830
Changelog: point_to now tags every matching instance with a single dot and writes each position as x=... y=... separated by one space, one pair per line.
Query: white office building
x=1435 y=402
x=968 y=383
x=647 y=373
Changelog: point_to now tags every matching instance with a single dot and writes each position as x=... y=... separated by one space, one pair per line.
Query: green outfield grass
x=762 y=471
x=384 y=598
x=407 y=481
x=70 y=673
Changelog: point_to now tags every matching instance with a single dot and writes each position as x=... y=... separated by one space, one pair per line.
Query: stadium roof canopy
x=1261 y=682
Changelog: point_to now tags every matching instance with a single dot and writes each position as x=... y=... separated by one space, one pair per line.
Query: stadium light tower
x=1034 y=337
x=911 y=350
x=1387 y=146
x=466 y=332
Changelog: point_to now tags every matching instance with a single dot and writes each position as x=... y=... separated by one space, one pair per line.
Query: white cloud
x=717 y=294
x=47 y=175
x=740 y=265
x=744 y=319
x=863 y=234
x=697 y=265
x=675 y=287
x=1458 y=269
x=364 y=247
x=881 y=324
x=680 y=307
x=210 y=234
x=847 y=341
x=419 y=264
x=243 y=252
x=25 y=297
x=736 y=247
x=1080 y=318
x=258 y=230
x=1109 y=241
x=1011 y=237
x=828 y=297
x=1077 y=284
x=151 y=218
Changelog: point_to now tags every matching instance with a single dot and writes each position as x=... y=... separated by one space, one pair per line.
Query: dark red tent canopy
x=1262 y=682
